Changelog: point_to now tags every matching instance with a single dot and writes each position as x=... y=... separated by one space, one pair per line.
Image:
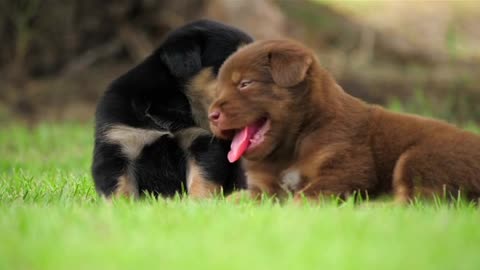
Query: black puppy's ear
x=289 y=65
x=182 y=61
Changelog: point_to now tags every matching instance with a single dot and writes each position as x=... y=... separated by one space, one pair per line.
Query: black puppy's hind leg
x=209 y=172
x=116 y=150
x=199 y=185
x=110 y=171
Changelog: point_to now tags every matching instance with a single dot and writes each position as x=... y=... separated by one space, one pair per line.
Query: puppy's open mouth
x=248 y=138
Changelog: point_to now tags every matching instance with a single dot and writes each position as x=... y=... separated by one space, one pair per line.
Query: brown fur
x=337 y=143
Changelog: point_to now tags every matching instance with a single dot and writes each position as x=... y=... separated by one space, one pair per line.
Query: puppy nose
x=214 y=116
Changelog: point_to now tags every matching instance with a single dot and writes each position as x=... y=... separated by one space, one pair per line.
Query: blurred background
x=57 y=57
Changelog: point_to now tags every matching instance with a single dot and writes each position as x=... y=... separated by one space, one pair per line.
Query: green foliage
x=51 y=218
x=451 y=108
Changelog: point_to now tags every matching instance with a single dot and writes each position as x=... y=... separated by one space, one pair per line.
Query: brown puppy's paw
x=401 y=199
x=381 y=204
x=242 y=196
x=300 y=200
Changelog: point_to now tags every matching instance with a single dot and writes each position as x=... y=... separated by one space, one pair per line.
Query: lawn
x=51 y=218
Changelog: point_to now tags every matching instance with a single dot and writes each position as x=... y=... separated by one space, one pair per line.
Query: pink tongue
x=239 y=144
x=241 y=141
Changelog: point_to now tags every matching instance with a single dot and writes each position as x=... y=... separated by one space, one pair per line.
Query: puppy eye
x=244 y=84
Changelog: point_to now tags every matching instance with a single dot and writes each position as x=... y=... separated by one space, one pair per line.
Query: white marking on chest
x=132 y=140
x=290 y=180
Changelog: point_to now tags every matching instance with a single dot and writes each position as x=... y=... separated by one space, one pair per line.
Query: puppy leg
x=426 y=174
x=255 y=183
x=209 y=170
x=403 y=187
x=430 y=171
x=160 y=169
x=126 y=187
x=340 y=171
x=117 y=151
x=257 y=188
x=244 y=195
x=324 y=190
x=108 y=169
x=202 y=162
x=262 y=182
x=197 y=185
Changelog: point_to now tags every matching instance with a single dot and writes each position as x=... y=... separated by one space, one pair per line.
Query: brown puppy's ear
x=289 y=66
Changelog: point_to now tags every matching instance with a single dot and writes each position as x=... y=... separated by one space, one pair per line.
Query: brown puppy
x=299 y=132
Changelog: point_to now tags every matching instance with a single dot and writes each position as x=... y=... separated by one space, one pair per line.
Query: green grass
x=51 y=218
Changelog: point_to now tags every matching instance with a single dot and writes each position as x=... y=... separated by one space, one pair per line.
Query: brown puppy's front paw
x=242 y=196
x=302 y=199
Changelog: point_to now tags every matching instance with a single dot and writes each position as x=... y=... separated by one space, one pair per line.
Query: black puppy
x=151 y=125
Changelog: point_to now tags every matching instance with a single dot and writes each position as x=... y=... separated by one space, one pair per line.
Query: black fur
x=151 y=96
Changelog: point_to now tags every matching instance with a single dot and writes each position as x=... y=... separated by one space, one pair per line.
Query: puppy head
x=193 y=55
x=198 y=45
x=260 y=91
